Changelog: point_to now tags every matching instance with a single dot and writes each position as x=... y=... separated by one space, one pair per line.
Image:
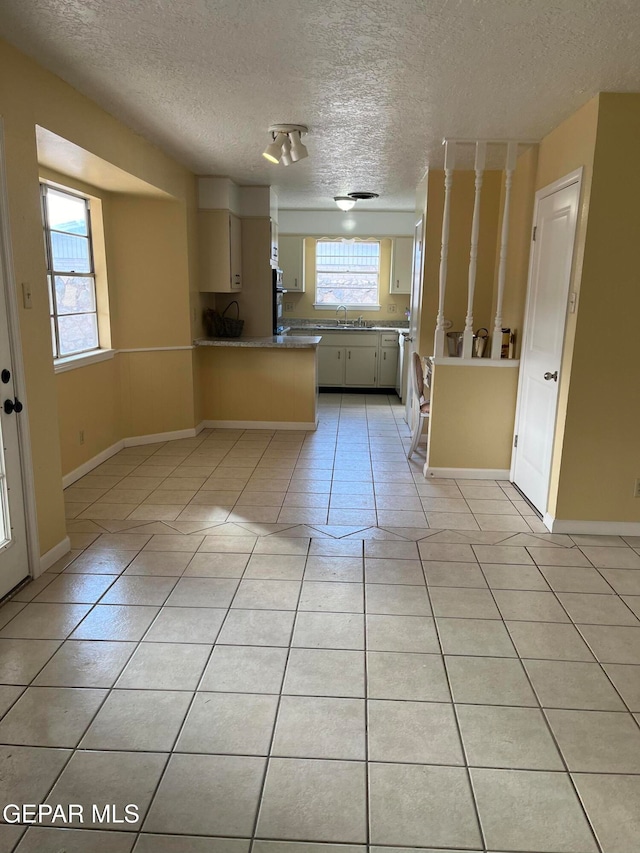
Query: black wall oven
x=278 y=292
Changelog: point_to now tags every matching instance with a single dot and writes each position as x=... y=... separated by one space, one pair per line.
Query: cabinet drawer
x=348 y=339
x=389 y=339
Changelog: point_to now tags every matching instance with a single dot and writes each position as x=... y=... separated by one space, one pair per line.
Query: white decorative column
x=496 y=342
x=439 y=348
x=467 y=340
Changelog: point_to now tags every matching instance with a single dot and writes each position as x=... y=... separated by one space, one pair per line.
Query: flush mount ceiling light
x=286 y=146
x=363 y=196
x=344 y=202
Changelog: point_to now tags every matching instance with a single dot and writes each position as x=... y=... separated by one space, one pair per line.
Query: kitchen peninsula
x=258 y=382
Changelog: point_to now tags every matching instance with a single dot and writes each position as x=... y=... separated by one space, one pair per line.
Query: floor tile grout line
x=554 y=738
x=260 y=799
x=74 y=750
x=187 y=712
x=463 y=747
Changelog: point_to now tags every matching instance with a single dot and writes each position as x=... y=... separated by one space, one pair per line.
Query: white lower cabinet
x=367 y=359
x=331 y=361
x=360 y=366
x=388 y=367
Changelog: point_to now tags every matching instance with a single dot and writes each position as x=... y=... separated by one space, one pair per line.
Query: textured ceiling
x=379 y=83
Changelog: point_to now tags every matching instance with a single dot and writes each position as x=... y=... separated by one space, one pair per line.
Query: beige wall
x=473 y=411
x=303 y=302
x=248 y=384
x=148 y=272
x=88 y=400
x=600 y=458
x=519 y=244
x=30 y=96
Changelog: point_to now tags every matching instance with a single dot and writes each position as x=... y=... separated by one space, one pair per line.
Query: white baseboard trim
x=132 y=441
x=53 y=554
x=90 y=464
x=139 y=440
x=297 y=425
x=467 y=473
x=596 y=528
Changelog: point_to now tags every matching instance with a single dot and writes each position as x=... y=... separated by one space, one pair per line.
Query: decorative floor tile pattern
x=281 y=641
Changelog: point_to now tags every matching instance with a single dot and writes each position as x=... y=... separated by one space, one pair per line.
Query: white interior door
x=545 y=319
x=414 y=319
x=14 y=553
x=14 y=563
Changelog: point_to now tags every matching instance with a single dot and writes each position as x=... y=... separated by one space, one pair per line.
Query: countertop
x=321 y=327
x=275 y=342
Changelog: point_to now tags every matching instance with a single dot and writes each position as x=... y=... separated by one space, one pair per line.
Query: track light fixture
x=273 y=151
x=286 y=146
x=344 y=202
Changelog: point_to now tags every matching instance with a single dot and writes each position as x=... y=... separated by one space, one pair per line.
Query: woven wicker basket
x=220 y=326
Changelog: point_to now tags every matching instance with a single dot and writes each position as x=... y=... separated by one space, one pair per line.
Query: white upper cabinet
x=401 y=265
x=291 y=262
x=220 y=251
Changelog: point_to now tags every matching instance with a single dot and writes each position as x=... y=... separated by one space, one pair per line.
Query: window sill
x=322 y=306
x=62 y=365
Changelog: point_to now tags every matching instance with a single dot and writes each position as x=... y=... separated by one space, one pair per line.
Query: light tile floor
x=288 y=640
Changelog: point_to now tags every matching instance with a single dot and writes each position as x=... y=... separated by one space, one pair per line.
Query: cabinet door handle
x=338 y=355
x=349 y=353
x=397 y=284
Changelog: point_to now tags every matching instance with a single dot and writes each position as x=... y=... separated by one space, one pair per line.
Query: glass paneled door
x=14 y=562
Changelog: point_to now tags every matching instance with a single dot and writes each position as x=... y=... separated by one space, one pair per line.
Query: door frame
x=568 y=180
x=415 y=310
x=20 y=385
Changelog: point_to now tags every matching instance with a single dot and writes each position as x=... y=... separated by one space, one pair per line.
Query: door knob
x=11 y=406
x=5 y=376
x=553 y=376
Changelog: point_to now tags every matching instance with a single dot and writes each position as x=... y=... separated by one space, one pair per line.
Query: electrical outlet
x=391 y=308
x=636 y=488
x=81 y=436
x=288 y=306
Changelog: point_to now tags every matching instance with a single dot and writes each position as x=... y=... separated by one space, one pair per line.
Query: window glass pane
x=347 y=272
x=70 y=253
x=66 y=213
x=78 y=333
x=75 y=294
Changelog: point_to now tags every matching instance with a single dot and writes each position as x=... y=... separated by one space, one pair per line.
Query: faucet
x=360 y=321
x=342 y=308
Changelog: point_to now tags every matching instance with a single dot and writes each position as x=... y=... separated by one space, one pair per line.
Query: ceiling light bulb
x=344 y=202
x=286 y=159
x=273 y=151
x=298 y=149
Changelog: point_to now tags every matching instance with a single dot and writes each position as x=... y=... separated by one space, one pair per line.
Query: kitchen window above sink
x=347 y=273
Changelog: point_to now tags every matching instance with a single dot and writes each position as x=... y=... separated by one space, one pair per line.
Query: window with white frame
x=70 y=272
x=347 y=273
